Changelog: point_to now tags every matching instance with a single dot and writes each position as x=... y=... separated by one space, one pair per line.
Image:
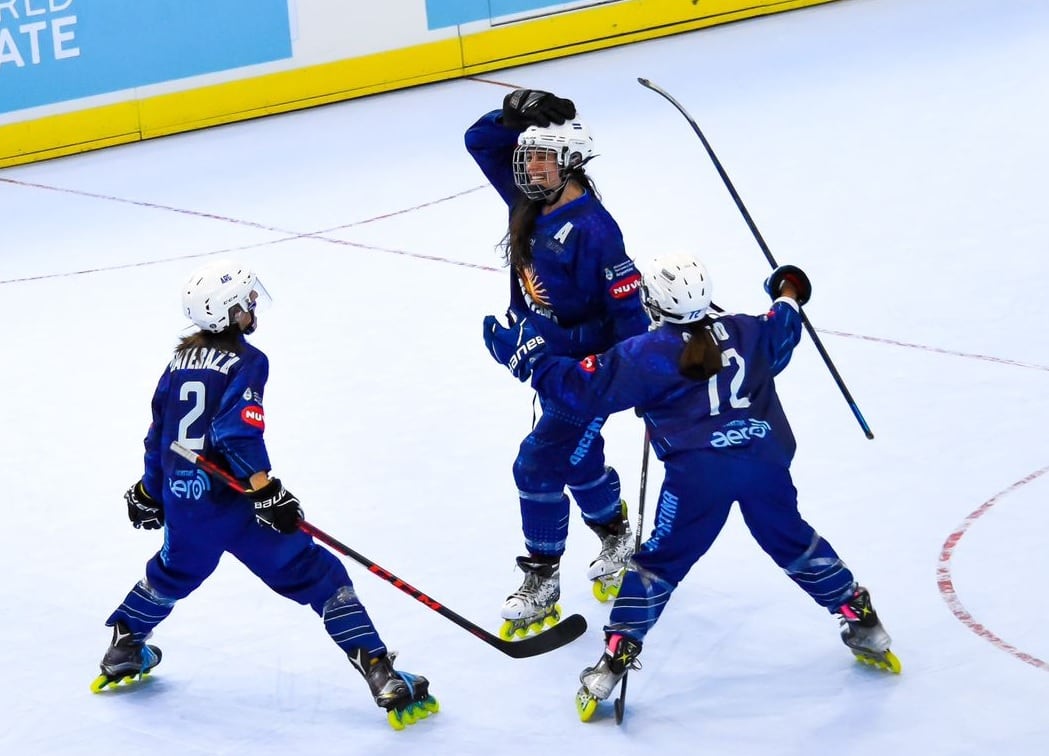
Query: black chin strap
x=551 y=199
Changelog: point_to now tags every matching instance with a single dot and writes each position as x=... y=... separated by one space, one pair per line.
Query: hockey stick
x=564 y=632
x=619 y=705
x=764 y=248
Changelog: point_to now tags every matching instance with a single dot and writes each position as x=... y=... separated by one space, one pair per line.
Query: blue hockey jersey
x=580 y=282
x=737 y=409
x=210 y=401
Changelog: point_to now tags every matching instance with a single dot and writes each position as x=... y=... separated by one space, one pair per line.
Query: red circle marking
x=946 y=582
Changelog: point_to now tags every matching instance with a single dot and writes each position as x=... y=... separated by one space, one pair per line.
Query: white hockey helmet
x=675 y=287
x=214 y=290
x=571 y=144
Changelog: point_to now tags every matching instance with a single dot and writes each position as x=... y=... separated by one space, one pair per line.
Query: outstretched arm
x=491 y=144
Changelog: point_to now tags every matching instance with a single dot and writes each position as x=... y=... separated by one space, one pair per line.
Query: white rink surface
x=893 y=148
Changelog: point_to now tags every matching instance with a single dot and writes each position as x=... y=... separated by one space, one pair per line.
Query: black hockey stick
x=764 y=248
x=619 y=705
x=564 y=632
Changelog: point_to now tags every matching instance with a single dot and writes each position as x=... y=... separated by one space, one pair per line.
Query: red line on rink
x=946 y=583
x=938 y=350
x=287 y=235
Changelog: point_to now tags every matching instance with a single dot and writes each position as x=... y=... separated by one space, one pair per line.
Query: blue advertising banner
x=443 y=13
x=57 y=50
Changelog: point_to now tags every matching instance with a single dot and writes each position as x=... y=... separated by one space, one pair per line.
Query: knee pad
x=533 y=476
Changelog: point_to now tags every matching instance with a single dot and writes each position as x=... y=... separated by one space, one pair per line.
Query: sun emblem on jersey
x=533 y=287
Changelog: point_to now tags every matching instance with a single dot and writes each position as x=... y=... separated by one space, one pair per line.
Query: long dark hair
x=228 y=340
x=701 y=357
x=517 y=244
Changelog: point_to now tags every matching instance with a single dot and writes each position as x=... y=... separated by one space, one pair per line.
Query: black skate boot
x=617 y=546
x=533 y=607
x=620 y=655
x=406 y=697
x=863 y=633
x=126 y=661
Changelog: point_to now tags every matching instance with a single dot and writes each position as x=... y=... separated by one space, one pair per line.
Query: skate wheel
x=887 y=662
x=512 y=629
x=604 y=592
x=412 y=713
x=585 y=704
x=103 y=682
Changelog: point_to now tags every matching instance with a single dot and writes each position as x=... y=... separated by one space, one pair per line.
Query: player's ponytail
x=701 y=357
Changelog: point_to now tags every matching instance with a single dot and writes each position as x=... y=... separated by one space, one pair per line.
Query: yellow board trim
x=608 y=26
x=500 y=47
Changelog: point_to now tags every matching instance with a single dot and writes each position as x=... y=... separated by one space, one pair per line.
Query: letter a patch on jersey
x=563 y=232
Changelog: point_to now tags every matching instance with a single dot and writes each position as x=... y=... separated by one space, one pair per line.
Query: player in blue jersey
x=570 y=275
x=209 y=399
x=703 y=382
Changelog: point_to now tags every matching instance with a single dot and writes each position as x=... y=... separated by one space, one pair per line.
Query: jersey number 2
x=191 y=391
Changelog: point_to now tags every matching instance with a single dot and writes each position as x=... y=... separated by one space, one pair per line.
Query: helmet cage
x=571 y=146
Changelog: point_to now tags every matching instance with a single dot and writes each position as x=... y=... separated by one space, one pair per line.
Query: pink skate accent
x=848 y=614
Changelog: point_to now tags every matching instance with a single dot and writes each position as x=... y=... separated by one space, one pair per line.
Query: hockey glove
x=793 y=275
x=276 y=507
x=517 y=347
x=532 y=107
x=142 y=509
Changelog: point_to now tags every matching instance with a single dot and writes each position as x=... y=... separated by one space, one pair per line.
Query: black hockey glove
x=532 y=107
x=142 y=509
x=517 y=347
x=276 y=507
x=793 y=275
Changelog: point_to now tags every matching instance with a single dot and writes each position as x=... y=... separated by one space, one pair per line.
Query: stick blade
x=561 y=634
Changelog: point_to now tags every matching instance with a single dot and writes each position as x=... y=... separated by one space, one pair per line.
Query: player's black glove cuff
x=142 y=509
x=276 y=507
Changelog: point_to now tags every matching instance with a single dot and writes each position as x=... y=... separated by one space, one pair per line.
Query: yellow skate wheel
x=514 y=630
x=887 y=662
x=102 y=682
x=604 y=592
x=891 y=663
x=412 y=713
x=585 y=704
